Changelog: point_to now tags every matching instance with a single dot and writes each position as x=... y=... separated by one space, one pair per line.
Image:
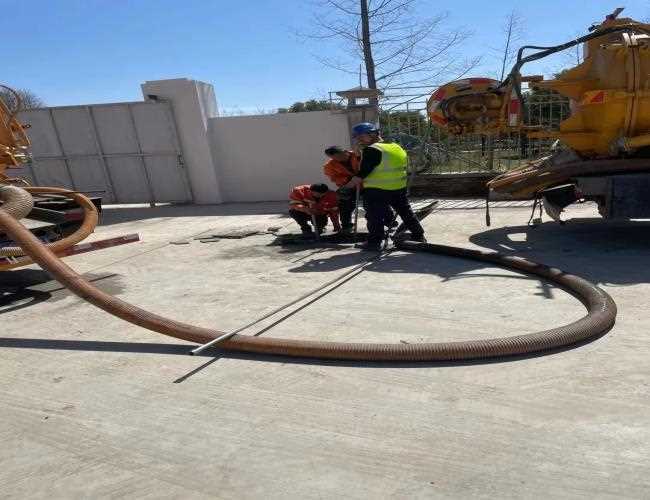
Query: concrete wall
x=259 y=158
x=194 y=104
x=194 y=155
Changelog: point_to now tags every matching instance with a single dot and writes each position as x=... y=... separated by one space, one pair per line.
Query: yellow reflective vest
x=390 y=174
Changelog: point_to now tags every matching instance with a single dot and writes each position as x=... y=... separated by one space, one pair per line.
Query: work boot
x=308 y=234
x=368 y=247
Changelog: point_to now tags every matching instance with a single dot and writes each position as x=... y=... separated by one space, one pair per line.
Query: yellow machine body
x=609 y=93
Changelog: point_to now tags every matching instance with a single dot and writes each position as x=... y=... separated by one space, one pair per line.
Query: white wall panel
x=259 y=158
x=106 y=148
x=40 y=132
x=129 y=180
x=75 y=132
x=53 y=173
x=115 y=129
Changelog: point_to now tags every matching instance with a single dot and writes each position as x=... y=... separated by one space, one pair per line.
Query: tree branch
x=338 y=6
x=402 y=7
x=335 y=65
x=406 y=65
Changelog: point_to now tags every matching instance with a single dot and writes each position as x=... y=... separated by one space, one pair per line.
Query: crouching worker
x=341 y=168
x=314 y=204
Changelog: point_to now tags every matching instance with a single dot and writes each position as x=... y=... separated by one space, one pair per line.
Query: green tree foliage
x=310 y=105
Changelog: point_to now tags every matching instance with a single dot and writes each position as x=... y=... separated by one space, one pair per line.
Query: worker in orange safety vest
x=342 y=166
x=314 y=203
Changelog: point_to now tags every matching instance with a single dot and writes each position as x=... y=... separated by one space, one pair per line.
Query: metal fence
x=404 y=120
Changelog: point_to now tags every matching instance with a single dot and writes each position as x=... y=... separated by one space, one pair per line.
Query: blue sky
x=93 y=51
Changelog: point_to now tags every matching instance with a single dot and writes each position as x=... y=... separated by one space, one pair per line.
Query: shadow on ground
x=445 y=267
x=215 y=354
x=22 y=288
x=604 y=252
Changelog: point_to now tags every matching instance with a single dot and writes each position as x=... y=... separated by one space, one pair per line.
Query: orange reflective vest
x=301 y=196
x=339 y=173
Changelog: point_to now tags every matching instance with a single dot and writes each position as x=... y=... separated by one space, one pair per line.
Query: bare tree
x=26 y=97
x=395 y=44
x=513 y=31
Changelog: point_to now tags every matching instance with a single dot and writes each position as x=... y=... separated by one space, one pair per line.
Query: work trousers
x=378 y=204
x=304 y=219
x=347 y=204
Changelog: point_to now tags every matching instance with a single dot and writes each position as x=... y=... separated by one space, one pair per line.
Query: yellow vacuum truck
x=602 y=152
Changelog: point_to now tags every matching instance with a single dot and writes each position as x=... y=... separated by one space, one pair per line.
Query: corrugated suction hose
x=15 y=201
x=86 y=229
x=601 y=313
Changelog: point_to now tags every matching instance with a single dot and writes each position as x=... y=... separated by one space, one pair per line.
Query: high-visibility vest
x=390 y=174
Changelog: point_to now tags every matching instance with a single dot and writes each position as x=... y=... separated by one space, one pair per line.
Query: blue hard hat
x=364 y=128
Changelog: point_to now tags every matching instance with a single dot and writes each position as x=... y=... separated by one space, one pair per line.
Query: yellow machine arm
x=13 y=141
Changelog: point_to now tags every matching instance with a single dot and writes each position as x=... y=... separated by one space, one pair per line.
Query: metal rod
x=315 y=224
x=356 y=210
x=226 y=336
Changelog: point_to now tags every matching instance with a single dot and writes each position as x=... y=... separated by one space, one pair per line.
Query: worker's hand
x=354 y=182
x=303 y=208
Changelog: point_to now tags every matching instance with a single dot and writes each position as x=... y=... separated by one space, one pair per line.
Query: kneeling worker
x=342 y=166
x=314 y=203
x=383 y=174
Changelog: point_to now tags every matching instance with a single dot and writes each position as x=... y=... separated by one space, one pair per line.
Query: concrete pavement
x=94 y=407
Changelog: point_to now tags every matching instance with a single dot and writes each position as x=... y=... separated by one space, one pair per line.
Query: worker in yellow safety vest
x=384 y=177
